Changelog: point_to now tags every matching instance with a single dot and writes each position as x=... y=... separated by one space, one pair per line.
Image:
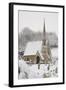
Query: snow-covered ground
x=46 y=70
x=54 y=52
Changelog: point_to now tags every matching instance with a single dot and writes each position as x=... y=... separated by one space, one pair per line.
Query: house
x=33 y=51
x=38 y=51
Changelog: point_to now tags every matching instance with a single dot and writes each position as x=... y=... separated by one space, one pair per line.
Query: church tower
x=46 y=52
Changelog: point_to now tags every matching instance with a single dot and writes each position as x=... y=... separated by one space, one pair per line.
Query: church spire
x=44 y=34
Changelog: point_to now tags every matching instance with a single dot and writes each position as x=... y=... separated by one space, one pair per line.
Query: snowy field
x=27 y=71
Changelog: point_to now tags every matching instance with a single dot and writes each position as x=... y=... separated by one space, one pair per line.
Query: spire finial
x=44 y=25
x=44 y=34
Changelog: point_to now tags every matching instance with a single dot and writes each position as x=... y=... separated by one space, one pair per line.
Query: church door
x=37 y=59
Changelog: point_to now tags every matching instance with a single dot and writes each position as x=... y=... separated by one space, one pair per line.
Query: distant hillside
x=28 y=35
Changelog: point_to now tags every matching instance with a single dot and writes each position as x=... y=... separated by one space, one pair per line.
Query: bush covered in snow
x=32 y=71
x=24 y=69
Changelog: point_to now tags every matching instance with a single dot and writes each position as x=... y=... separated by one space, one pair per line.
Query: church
x=38 y=51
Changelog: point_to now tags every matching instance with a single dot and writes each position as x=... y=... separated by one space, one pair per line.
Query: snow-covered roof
x=33 y=47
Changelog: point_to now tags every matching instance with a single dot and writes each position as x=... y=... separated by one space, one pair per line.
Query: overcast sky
x=35 y=21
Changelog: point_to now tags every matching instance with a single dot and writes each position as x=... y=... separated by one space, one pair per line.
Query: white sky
x=35 y=21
